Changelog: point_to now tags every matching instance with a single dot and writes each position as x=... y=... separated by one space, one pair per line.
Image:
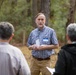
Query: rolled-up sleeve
x=54 y=38
x=29 y=42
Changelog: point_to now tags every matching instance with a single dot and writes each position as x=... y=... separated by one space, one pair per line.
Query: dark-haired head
x=6 y=30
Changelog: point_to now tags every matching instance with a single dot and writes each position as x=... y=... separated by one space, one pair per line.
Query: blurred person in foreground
x=66 y=63
x=41 y=41
x=12 y=61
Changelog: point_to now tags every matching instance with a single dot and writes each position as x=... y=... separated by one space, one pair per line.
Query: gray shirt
x=12 y=61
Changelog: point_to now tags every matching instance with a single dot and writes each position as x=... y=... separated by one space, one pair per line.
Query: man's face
x=40 y=21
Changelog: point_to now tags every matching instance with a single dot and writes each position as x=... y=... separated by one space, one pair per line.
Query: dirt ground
x=27 y=54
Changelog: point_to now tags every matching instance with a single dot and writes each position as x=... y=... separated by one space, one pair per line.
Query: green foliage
x=17 y=13
x=59 y=9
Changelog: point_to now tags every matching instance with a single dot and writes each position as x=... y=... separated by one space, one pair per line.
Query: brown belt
x=48 y=58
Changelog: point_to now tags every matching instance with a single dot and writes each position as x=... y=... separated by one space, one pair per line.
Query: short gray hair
x=71 y=31
x=6 y=30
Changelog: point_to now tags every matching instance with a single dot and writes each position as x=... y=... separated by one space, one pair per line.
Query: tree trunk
x=34 y=11
x=29 y=9
x=1 y=2
x=24 y=37
x=71 y=17
x=45 y=8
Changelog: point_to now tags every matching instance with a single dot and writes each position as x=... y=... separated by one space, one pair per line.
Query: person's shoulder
x=34 y=30
x=15 y=49
x=14 y=52
x=63 y=49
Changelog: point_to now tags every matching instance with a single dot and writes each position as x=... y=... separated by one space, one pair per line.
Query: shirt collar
x=42 y=29
x=4 y=43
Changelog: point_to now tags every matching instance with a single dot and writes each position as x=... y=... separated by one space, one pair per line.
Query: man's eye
x=38 y=19
x=41 y=19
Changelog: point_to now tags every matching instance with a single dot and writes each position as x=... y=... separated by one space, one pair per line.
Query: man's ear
x=11 y=37
x=68 y=39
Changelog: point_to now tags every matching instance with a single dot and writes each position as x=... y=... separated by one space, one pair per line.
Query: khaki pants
x=39 y=66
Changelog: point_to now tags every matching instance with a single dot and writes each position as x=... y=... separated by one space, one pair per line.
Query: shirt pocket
x=45 y=40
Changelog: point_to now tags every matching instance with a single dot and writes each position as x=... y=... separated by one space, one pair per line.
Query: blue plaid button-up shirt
x=46 y=36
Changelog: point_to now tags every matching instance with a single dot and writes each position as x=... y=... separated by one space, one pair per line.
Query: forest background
x=21 y=13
